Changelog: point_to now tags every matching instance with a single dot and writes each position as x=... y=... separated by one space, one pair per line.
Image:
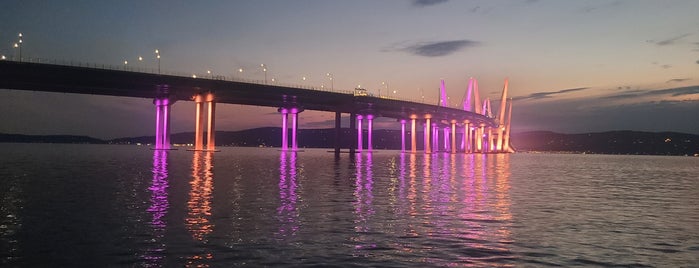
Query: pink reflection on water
x=363 y=203
x=154 y=256
x=287 y=212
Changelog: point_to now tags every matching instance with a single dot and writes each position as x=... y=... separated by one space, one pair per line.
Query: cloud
x=424 y=3
x=544 y=95
x=673 y=92
x=439 y=49
x=669 y=41
x=677 y=80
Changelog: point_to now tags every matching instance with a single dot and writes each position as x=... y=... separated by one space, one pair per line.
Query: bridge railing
x=143 y=69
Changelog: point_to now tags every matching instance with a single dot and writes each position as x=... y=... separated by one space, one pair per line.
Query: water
x=109 y=205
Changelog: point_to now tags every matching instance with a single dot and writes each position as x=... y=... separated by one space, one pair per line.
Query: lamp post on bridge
x=157 y=55
x=332 y=83
x=264 y=70
x=385 y=85
x=18 y=45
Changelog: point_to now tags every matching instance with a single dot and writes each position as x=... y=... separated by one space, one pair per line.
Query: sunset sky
x=573 y=66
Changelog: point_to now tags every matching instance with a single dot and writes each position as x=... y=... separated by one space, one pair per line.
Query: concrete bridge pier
x=360 y=133
x=338 y=130
x=294 y=128
x=294 y=111
x=453 y=136
x=370 y=129
x=435 y=137
x=413 y=136
x=162 y=122
x=353 y=127
x=428 y=148
x=207 y=115
x=466 y=138
x=402 y=135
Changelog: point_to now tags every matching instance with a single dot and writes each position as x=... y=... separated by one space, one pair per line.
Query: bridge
x=472 y=129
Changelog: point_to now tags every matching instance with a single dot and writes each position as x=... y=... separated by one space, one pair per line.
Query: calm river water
x=111 y=205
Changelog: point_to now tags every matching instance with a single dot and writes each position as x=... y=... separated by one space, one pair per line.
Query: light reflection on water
x=123 y=206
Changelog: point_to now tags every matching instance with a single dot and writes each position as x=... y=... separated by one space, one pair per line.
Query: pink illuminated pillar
x=158 y=137
x=413 y=137
x=428 y=148
x=402 y=135
x=466 y=138
x=446 y=138
x=166 y=124
x=479 y=138
x=294 y=128
x=211 y=130
x=359 y=133
x=369 y=119
x=285 y=129
x=435 y=138
x=453 y=136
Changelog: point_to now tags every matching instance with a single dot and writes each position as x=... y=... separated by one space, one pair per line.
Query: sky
x=572 y=66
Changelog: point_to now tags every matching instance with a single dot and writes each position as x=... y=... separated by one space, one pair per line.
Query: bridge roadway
x=83 y=80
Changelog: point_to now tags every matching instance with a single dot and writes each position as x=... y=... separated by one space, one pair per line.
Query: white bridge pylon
x=475 y=138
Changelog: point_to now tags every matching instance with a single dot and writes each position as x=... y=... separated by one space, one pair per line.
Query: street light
x=157 y=55
x=19 y=45
x=330 y=76
x=264 y=69
x=125 y=64
x=385 y=85
x=2 y=57
x=209 y=73
x=140 y=62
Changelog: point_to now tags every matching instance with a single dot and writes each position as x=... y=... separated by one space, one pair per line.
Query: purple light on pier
x=402 y=135
x=285 y=129
x=359 y=133
x=294 y=126
x=162 y=123
x=370 y=127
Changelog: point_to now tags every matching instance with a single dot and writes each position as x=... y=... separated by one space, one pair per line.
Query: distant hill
x=20 y=138
x=613 y=142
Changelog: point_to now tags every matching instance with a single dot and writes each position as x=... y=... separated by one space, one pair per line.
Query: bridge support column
x=435 y=137
x=498 y=146
x=353 y=128
x=413 y=137
x=479 y=138
x=370 y=129
x=490 y=140
x=338 y=129
x=428 y=148
x=402 y=135
x=162 y=122
x=199 y=123
x=210 y=112
x=285 y=128
x=466 y=141
x=360 y=133
x=211 y=131
x=446 y=139
x=294 y=128
x=453 y=136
